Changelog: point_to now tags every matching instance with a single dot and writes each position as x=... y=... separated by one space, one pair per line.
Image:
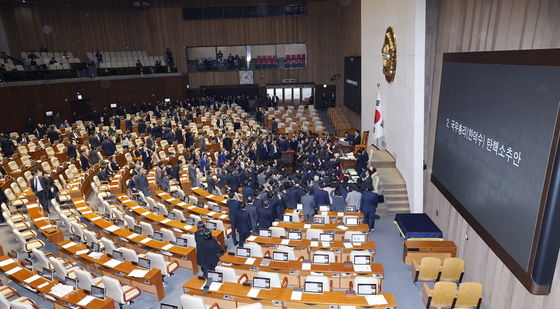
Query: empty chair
x=354 y=253
x=60 y=269
x=151 y=203
x=86 y=280
x=122 y=294
x=168 y=235
x=27 y=246
x=452 y=270
x=20 y=303
x=191 y=242
x=325 y=218
x=427 y=270
x=313 y=234
x=23 y=228
x=364 y=280
x=42 y=260
x=130 y=223
x=442 y=295
x=195 y=302
x=108 y=245
x=129 y=254
x=90 y=237
x=147 y=228
x=324 y=280
x=196 y=218
x=275 y=281
x=229 y=274
x=157 y=261
x=469 y=295
x=278 y=231
x=14 y=200
x=161 y=209
x=256 y=249
x=348 y=234
x=289 y=250
x=178 y=215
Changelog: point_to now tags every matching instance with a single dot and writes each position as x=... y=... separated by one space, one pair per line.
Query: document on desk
x=215 y=286
x=223 y=216
x=95 y=255
x=182 y=204
x=112 y=228
x=13 y=270
x=32 y=206
x=145 y=240
x=326 y=244
x=362 y=268
x=138 y=273
x=85 y=251
x=165 y=220
x=188 y=227
x=347 y=307
x=251 y=238
x=275 y=223
x=348 y=245
x=314 y=244
x=86 y=300
x=191 y=207
x=31 y=279
x=342 y=227
x=167 y=247
x=296 y=295
x=112 y=263
x=87 y=212
x=131 y=235
x=340 y=214
x=42 y=285
x=307 y=226
x=39 y=219
x=375 y=300
x=44 y=227
x=211 y=213
x=306 y=266
x=250 y=261
x=285 y=242
x=253 y=292
x=7 y=262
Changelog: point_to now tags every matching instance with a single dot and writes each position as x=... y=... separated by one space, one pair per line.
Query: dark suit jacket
x=243 y=223
x=84 y=162
x=320 y=198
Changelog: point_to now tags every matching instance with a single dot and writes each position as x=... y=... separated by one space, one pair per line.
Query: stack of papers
x=131 y=235
x=342 y=227
x=7 y=262
x=165 y=220
x=296 y=295
x=112 y=228
x=215 y=286
x=95 y=255
x=31 y=279
x=145 y=240
x=306 y=266
x=253 y=292
x=61 y=290
x=251 y=238
x=374 y=300
x=167 y=247
x=285 y=242
x=86 y=300
x=138 y=273
x=314 y=244
x=362 y=268
x=250 y=261
x=13 y=270
x=85 y=251
x=112 y=263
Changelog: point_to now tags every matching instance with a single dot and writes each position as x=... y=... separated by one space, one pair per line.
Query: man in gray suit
x=308 y=205
x=354 y=198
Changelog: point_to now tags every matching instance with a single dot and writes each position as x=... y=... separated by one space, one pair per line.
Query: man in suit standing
x=266 y=215
x=108 y=147
x=369 y=206
x=84 y=161
x=141 y=182
x=234 y=205
x=307 y=201
x=361 y=161
x=321 y=197
x=354 y=198
x=243 y=224
x=71 y=150
x=7 y=145
x=40 y=186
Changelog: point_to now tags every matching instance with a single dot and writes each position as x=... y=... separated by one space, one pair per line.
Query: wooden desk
x=337 y=229
x=332 y=214
x=185 y=257
x=339 y=273
x=279 y=297
x=152 y=282
x=151 y=217
x=307 y=247
x=208 y=196
x=192 y=208
x=417 y=249
x=47 y=228
x=42 y=288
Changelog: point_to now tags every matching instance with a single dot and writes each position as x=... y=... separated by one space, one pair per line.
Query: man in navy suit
x=243 y=224
x=369 y=206
x=266 y=215
x=234 y=205
x=292 y=196
x=321 y=197
x=84 y=161
x=247 y=191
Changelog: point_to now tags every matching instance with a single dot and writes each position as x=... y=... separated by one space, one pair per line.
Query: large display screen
x=494 y=148
x=353 y=83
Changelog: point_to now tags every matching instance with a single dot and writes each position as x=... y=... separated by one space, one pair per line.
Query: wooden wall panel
x=482 y=25
x=89 y=28
x=21 y=102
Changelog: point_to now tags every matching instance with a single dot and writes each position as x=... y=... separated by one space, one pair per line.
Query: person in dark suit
x=308 y=204
x=141 y=182
x=361 y=161
x=84 y=161
x=247 y=191
x=251 y=209
x=7 y=145
x=128 y=125
x=266 y=215
x=234 y=205
x=52 y=134
x=321 y=197
x=40 y=185
x=274 y=126
x=94 y=141
x=208 y=250
x=292 y=196
x=71 y=151
x=227 y=143
x=109 y=147
x=243 y=224
x=369 y=206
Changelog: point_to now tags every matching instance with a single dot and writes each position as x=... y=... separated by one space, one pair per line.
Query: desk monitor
x=71 y=282
x=97 y=292
x=200 y=204
x=28 y=263
x=318 y=220
x=168 y=306
x=362 y=259
x=287 y=218
x=171 y=216
x=280 y=256
x=351 y=208
x=243 y=252
x=216 y=276
x=261 y=283
x=319 y=258
x=299 y=206
x=190 y=221
x=47 y=273
x=113 y=105
x=358 y=238
x=49 y=113
x=117 y=255
x=95 y=247
x=313 y=287
x=294 y=235
x=324 y=208
x=366 y=289
x=215 y=208
x=119 y=222
x=265 y=233
x=144 y=263
x=326 y=237
x=138 y=229
x=351 y=221
x=158 y=236
x=75 y=238
x=211 y=225
x=183 y=242
x=13 y=254
x=167 y=100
